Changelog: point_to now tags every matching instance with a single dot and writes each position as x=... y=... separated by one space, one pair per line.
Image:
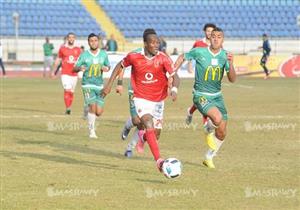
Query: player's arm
x=56 y=63
x=231 y=73
x=175 y=86
x=179 y=62
x=119 y=88
x=117 y=70
x=79 y=65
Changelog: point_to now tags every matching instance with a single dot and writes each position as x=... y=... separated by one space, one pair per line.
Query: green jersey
x=210 y=69
x=48 y=47
x=93 y=75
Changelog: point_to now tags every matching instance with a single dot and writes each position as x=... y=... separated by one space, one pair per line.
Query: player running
x=68 y=55
x=149 y=78
x=205 y=42
x=132 y=121
x=211 y=63
x=93 y=63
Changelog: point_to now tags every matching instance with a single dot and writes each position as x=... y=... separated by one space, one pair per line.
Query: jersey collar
x=143 y=53
x=214 y=54
x=95 y=55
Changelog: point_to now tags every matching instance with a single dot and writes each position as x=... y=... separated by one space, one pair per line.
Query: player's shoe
x=93 y=134
x=141 y=143
x=125 y=133
x=128 y=153
x=68 y=111
x=189 y=117
x=209 y=163
x=159 y=164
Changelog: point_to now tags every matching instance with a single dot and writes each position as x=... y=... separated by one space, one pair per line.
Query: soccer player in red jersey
x=150 y=71
x=205 y=42
x=68 y=55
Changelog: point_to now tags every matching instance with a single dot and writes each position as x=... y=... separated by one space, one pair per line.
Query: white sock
x=129 y=124
x=134 y=140
x=218 y=144
x=91 y=121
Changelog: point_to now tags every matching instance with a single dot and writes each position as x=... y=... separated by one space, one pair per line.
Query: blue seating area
x=46 y=18
x=185 y=18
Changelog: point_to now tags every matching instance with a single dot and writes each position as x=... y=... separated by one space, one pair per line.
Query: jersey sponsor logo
x=213 y=71
x=95 y=70
x=148 y=76
x=71 y=59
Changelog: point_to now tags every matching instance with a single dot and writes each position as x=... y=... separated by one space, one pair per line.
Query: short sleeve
x=168 y=65
x=60 y=52
x=80 y=60
x=192 y=54
x=106 y=61
x=227 y=66
x=126 y=61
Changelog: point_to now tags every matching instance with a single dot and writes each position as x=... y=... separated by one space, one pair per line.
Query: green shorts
x=132 y=109
x=204 y=103
x=92 y=95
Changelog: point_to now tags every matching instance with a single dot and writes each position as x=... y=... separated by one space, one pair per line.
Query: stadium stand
x=184 y=18
x=47 y=18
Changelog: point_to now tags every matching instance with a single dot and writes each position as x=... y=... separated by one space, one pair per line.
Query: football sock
x=91 y=121
x=152 y=141
x=68 y=98
x=129 y=124
x=134 y=140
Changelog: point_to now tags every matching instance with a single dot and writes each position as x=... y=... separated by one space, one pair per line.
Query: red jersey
x=149 y=75
x=200 y=43
x=69 y=57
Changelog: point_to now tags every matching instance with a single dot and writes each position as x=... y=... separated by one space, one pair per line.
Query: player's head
x=208 y=27
x=217 y=38
x=47 y=39
x=265 y=37
x=93 y=41
x=151 y=41
x=71 y=38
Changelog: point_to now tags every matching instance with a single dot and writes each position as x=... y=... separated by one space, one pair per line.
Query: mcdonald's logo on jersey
x=214 y=71
x=95 y=70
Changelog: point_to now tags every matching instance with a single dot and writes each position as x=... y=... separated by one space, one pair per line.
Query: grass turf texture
x=48 y=162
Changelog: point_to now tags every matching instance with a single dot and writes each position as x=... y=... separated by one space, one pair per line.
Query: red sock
x=193 y=109
x=152 y=141
x=68 y=97
x=71 y=98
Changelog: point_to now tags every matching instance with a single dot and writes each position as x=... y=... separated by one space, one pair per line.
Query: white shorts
x=69 y=82
x=80 y=74
x=156 y=109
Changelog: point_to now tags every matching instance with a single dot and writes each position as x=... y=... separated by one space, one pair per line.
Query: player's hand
x=174 y=93
x=105 y=91
x=119 y=89
x=105 y=68
x=53 y=76
x=82 y=68
x=230 y=57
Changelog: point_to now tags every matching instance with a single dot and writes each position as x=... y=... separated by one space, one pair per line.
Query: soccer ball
x=172 y=168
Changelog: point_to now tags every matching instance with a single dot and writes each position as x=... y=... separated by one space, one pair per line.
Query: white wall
x=31 y=49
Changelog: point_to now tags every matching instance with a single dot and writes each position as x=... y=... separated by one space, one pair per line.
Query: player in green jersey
x=93 y=63
x=211 y=64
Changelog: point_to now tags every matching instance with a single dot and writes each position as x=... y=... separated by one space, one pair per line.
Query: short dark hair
x=209 y=25
x=70 y=33
x=147 y=32
x=218 y=29
x=265 y=35
x=92 y=35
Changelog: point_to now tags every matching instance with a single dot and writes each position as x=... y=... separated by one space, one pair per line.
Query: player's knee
x=99 y=112
x=220 y=134
x=216 y=119
x=136 y=121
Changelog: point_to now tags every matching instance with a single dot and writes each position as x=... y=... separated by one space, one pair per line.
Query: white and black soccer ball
x=172 y=168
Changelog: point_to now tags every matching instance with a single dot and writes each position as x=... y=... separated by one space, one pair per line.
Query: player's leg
x=263 y=62
x=90 y=99
x=2 y=67
x=146 y=110
x=68 y=94
x=135 y=136
x=129 y=122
